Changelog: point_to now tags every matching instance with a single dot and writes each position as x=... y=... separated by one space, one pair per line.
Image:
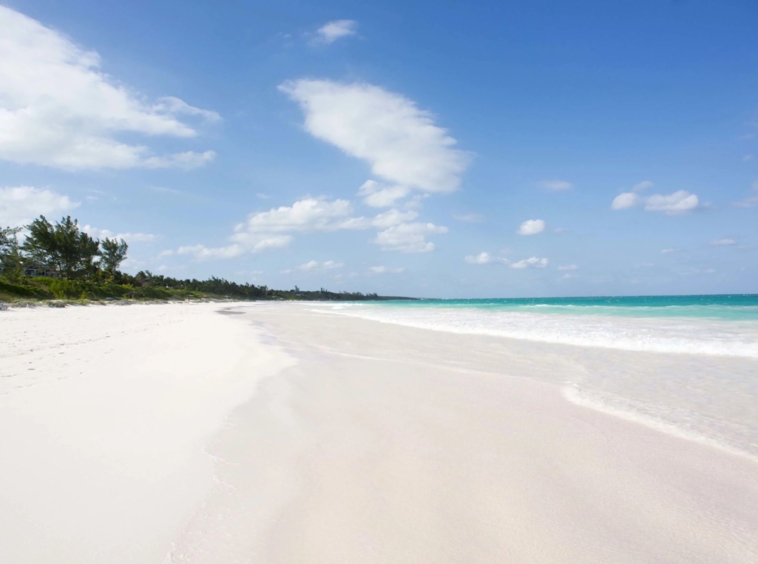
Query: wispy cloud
x=485 y=258
x=129 y=237
x=750 y=201
x=385 y=270
x=59 y=109
x=165 y=190
x=19 y=205
x=642 y=186
x=568 y=267
x=725 y=242
x=555 y=185
x=469 y=217
x=334 y=30
x=532 y=262
x=672 y=204
x=402 y=143
x=678 y=203
x=315 y=265
x=379 y=195
x=409 y=237
x=276 y=228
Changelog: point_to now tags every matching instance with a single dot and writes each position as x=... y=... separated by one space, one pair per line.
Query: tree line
x=62 y=250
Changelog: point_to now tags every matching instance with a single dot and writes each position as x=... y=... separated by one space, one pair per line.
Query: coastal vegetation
x=61 y=262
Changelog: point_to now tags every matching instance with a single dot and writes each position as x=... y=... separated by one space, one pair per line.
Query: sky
x=480 y=149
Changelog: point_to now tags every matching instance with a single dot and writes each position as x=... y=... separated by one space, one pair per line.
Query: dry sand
x=105 y=413
x=363 y=443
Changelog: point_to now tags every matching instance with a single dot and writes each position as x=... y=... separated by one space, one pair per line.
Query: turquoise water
x=725 y=306
x=687 y=365
x=725 y=325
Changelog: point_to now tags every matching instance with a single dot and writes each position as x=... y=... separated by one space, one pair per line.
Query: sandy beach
x=281 y=433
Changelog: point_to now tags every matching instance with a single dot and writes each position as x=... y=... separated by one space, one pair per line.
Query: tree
x=144 y=278
x=11 y=260
x=113 y=253
x=62 y=246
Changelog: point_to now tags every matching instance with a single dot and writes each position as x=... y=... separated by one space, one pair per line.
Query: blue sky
x=428 y=149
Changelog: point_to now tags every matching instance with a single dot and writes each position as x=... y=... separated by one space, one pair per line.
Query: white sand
x=381 y=444
x=105 y=413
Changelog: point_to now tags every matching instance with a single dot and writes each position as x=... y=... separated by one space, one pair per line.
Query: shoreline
x=342 y=439
x=398 y=444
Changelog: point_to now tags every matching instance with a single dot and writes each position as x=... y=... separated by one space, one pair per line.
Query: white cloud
x=337 y=29
x=186 y=161
x=172 y=105
x=19 y=205
x=670 y=251
x=128 y=237
x=252 y=244
x=201 y=252
x=273 y=228
x=315 y=265
x=485 y=258
x=385 y=270
x=409 y=237
x=725 y=242
x=393 y=217
x=402 y=143
x=531 y=227
x=672 y=204
x=556 y=185
x=468 y=217
x=641 y=186
x=304 y=216
x=379 y=195
x=58 y=109
x=625 y=201
x=678 y=203
x=569 y=267
x=532 y=262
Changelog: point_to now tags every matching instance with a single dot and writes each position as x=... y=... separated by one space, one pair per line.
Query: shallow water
x=687 y=365
x=712 y=325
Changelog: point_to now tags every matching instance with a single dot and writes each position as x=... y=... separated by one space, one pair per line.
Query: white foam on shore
x=662 y=335
x=623 y=409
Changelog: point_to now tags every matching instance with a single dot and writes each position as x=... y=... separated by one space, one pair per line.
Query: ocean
x=686 y=365
x=713 y=324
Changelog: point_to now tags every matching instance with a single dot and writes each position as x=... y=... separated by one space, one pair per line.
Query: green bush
x=21 y=290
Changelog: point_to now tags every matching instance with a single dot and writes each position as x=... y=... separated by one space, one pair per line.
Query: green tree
x=113 y=253
x=11 y=259
x=62 y=246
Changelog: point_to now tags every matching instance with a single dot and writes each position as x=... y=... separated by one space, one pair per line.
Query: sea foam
x=689 y=335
